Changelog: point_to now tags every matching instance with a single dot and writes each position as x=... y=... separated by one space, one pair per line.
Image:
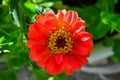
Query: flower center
x=60 y=42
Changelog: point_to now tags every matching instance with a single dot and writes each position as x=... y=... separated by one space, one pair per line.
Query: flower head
x=59 y=42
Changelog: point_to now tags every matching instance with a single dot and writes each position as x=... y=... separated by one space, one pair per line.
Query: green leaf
x=17 y=13
x=42 y=10
x=7 y=27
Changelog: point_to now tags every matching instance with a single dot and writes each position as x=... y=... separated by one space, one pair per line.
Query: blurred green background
x=102 y=18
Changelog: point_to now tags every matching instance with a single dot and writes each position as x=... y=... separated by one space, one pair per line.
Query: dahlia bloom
x=59 y=42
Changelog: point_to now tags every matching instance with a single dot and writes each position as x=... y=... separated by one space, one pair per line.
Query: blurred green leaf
x=94 y=25
x=47 y=4
x=40 y=75
x=30 y=6
x=106 y=5
x=61 y=5
x=108 y=41
x=111 y=20
x=19 y=57
x=5 y=76
x=2 y=39
x=116 y=49
x=100 y=31
x=17 y=62
x=60 y=77
x=3 y=14
x=5 y=2
x=118 y=24
x=37 y=1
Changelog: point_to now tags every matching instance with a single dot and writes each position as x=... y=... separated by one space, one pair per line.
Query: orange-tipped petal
x=60 y=15
x=84 y=39
x=78 y=27
x=50 y=12
x=84 y=36
x=71 y=17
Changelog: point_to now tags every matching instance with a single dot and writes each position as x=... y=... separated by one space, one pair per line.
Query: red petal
x=41 y=29
x=82 y=51
x=32 y=28
x=41 y=19
x=51 y=26
x=36 y=36
x=50 y=65
x=76 y=62
x=43 y=58
x=30 y=43
x=84 y=39
x=68 y=17
x=77 y=27
x=38 y=48
x=51 y=22
x=58 y=68
x=83 y=60
x=34 y=56
x=32 y=34
x=84 y=36
x=67 y=62
x=59 y=58
x=88 y=43
x=51 y=17
x=69 y=72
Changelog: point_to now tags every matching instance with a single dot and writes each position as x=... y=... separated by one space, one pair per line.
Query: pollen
x=60 y=42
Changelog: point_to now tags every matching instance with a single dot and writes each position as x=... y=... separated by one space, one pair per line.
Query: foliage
x=16 y=15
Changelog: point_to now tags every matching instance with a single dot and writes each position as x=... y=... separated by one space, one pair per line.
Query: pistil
x=60 y=42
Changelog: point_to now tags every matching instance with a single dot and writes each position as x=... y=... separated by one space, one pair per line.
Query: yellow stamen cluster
x=60 y=42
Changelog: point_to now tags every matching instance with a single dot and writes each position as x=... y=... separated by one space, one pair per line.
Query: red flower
x=59 y=42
